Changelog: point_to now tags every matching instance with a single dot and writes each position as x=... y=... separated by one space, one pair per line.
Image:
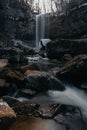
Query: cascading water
x=42 y=27
x=43 y=20
x=71 y=96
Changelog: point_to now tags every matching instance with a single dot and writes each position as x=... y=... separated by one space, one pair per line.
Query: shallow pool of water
x=30 y=123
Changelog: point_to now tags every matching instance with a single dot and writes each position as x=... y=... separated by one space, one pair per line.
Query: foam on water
x=71 y=96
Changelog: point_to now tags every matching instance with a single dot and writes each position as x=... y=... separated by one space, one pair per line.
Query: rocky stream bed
x=27 y=74
x=21 y=81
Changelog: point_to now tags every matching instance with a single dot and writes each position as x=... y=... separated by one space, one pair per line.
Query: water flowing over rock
x=68 y=114
x=42 y=81
x=42 y=27
x=45 y=87
x=74 y=71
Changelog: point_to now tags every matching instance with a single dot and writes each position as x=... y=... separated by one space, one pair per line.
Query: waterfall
x=42 y=27
x=43 y=21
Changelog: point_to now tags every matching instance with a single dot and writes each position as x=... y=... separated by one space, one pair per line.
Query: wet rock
x=59 y=48
x=26 y=93
x=36 y=79
x=42 y=81
x=44 y=111
x=2 y=82
x=72 y=120
x=16 y=80
x=13 y=55
x=74 y=71
x=67 y=57
x=6 y=111
x=7 y=116
x=67 y=115
x=33 y=72
x=21 y=108
x=17 y=83
x=3 y=63
x=11 y=82
x=31 y=66
x=15 y=75
x=42 y=65
x=3 y=87
x=23 y=46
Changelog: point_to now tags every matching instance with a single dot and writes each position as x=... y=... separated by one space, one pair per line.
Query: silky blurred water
x=30 y=123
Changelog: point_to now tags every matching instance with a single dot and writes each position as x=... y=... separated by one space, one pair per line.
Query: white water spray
x=71 y=96
x=43 y=20
x=42 y=27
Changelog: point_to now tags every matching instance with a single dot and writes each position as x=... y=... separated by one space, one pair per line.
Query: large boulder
x=3 y=63
x=58 y=48
x=74 y=72
x=42 y=81
x=7 y=116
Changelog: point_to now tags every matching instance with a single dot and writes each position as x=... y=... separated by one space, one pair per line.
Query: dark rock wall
x=62 y=47
x=71 y=25
x=16 y=20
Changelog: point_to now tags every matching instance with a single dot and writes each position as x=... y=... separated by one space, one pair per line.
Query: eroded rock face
x=57 y=49
x=72 y=25
x=16 y=21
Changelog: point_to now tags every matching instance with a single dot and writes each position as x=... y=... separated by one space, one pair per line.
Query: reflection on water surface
x=30 y=123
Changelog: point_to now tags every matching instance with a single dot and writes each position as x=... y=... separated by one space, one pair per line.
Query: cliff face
x=69 y=32
x=71 y=25
x=17 y=20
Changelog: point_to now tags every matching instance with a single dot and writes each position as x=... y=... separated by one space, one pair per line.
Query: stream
x=39 y=98
x=35 y=124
